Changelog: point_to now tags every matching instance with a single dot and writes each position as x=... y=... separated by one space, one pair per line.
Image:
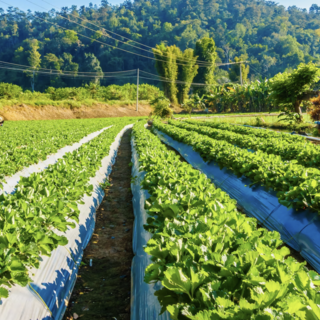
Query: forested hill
x=267 y=35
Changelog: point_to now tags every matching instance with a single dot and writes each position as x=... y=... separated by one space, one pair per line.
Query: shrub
x=315 y=109
x=9 y=91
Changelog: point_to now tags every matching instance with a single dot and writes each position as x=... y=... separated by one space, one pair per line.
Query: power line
x=117 y=48
x=50 y=72
x=64 y=74
x=177 y=82
x=203 y=63
x=87 y=21
x=256 y=71
x=30 y=68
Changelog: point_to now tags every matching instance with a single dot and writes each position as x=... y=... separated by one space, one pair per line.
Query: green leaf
x=4 y=293
x=176 y=280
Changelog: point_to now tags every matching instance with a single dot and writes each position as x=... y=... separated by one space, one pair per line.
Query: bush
x=127 y=92
x=161 y=107
x=315 y=109
x=9 y=91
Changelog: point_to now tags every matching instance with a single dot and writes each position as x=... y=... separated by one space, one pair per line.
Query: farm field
x=289 y=147
x=269 y=119
x=37 y=219
x=200 y=244
x=24 y=144
x=261 y=120
x=197 y=238
x=231 y=115
x=159 y=160
x=266 y=169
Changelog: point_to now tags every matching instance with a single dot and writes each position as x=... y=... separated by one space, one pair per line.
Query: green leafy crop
x=250 y=131
x=212 y=261
x=303 y=152
x=44 y=203
x=295 y=184
x=26 y=143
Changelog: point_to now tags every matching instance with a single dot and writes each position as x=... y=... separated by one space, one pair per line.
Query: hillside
x=267 y=35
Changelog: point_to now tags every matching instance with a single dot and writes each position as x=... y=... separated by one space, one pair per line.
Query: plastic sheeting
x=47 y=296
x=11 y=182
x=299 y=229
x=144 y=304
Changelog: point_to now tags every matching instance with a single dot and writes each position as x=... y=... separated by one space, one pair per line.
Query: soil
x=99 y=110
x=102 y=292
x=25 y=112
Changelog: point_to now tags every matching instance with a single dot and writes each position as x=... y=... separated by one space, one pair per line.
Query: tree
x=187 y=70
x=29 y=52
x=51 y=61
x=289 y=90
x=92 y=64
x=234 y=74
x=68 y=65
x=166 y=65
x=205 y=49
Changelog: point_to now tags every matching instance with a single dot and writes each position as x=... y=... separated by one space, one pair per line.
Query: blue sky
x=25 y=5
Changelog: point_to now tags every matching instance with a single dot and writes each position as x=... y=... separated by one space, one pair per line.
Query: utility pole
x=32 y=82
x=137 y=107
x=241 y=74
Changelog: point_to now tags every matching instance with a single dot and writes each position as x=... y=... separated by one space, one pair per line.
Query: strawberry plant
x=44 y=203
x=211 y=260
x=295 y=184
x=304 y=153
x=25 y=143
x=261 y=133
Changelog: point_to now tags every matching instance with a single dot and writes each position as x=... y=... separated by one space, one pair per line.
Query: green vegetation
x=271 y=38
x=212 y=261
x=285 y=92
x=45 y=202
x=249 y=131
x=161 y=108
x=270 y=122
x=302 y=152
x=167 y=67
x=87 y=95
x=295 y=184
x=34 y=141
x=289 y=90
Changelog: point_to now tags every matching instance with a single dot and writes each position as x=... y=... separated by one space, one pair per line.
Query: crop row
x=45 y=202
x=262 y=133
x=304 y=153
x=26 y=143
x=296 y=184
x=211 y=260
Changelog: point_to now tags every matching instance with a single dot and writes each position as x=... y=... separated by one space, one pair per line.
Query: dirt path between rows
x=103 y=290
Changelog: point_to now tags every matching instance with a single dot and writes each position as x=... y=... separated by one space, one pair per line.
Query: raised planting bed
x=211 y=260
x=46 y=225
x=298 y=228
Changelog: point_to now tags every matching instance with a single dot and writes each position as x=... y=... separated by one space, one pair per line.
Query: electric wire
x=199 y=62
x=256 y=71
x=102 y=28
x=177 y=82
x=30 y=68
x=51 y=72
x=65 y=74
x=116 y=48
